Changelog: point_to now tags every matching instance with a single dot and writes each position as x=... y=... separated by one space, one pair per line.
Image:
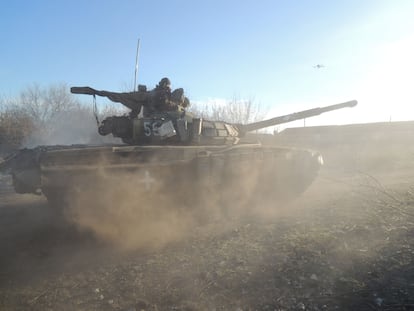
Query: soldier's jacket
x=162 y=99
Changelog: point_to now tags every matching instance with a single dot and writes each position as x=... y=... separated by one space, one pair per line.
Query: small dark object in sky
x=319 y=66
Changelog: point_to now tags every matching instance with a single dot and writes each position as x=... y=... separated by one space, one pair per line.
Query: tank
x=169 y=151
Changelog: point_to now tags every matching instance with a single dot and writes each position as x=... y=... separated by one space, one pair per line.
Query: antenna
x=136 y=67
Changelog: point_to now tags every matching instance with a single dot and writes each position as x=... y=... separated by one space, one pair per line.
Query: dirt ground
x=345 y=244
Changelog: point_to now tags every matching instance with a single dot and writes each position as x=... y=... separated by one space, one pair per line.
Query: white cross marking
x=147 y=180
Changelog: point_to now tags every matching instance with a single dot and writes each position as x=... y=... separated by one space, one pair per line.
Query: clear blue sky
x=264 y=50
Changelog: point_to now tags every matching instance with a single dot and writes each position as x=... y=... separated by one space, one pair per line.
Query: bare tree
x=43 y=104
x=48 y=115
x=15 y=127
x=234 y=111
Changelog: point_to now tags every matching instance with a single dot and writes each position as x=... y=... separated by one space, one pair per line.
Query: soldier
x=165 y=83
x=161 y=96
x=163 y=99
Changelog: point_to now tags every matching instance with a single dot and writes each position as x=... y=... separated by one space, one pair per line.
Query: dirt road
x=346 y=244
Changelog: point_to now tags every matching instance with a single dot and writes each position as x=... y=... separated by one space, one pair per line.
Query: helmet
x=164 y=83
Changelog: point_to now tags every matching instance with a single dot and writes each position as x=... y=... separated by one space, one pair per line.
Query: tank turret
x=171 y=124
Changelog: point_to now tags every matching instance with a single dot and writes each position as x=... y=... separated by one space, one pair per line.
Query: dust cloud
x=119 y=210
x=152 y=206
x=69 y=127
x=346 y=243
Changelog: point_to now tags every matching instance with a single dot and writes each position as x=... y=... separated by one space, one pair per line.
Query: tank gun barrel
x=294 y=116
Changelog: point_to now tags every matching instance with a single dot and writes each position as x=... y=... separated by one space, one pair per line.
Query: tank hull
x=179 y=173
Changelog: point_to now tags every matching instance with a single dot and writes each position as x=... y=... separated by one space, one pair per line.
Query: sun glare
x=386 y=92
